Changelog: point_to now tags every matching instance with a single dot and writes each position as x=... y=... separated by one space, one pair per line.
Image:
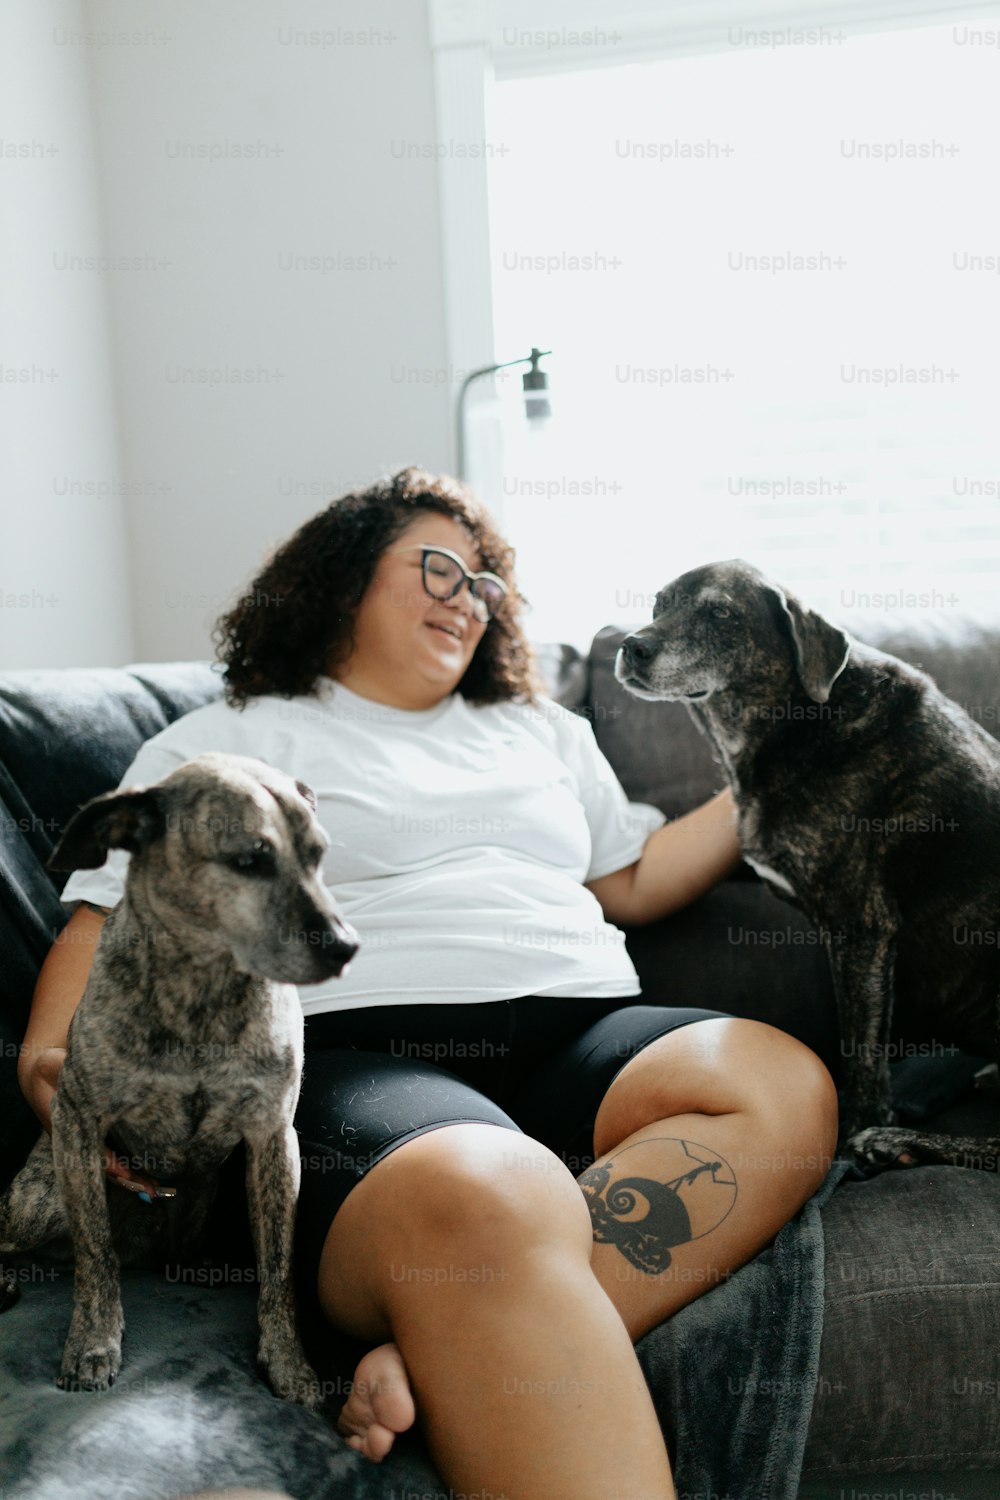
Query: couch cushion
x=742 y=950
x=64 y=738
x=67 y=735
x=908 y=1362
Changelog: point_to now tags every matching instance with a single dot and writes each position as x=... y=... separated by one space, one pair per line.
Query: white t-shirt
x=460 y=840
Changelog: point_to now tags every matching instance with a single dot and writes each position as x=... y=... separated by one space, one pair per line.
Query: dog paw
x=92 y=1369
x=884 y=1146
x=92 y=1355
x=292 y=1377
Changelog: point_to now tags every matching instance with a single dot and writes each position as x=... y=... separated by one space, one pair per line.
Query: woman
x=479 y=1082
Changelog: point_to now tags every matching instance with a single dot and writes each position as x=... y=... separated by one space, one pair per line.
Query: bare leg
x=740 y=1164
x=681 y=1202
x=476 y=1264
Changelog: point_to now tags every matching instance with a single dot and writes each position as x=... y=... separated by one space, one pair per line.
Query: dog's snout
x=333 y=938
x=640 y=649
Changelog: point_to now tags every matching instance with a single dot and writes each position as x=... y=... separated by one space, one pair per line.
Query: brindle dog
x=188 y=1037
x=868 y=798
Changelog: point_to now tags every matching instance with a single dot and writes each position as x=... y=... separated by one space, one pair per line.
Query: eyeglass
x=444 y=574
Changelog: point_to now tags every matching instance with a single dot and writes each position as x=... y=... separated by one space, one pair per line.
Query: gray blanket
x=733 y=1374
x=187 y=1411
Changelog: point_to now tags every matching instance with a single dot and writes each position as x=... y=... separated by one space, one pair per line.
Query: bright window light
x=771 y=282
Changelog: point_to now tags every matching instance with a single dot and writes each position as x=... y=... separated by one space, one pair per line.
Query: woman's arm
x=58 y=991
x=679 y=862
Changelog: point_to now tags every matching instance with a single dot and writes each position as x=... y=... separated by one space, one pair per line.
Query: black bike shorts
x=378 y=1076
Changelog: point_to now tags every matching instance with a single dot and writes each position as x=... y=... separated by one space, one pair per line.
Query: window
x=770 y=276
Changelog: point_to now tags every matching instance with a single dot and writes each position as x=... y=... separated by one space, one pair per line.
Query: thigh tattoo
x=647 y=1217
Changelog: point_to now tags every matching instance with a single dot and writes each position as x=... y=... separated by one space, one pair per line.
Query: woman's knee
x=723 y=1066
x=792 y=1114
x=464 y=1197
x=483 y=1185
x=780 y=1080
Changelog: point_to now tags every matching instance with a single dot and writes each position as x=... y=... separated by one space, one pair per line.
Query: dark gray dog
x=188 y=1037
x=864 y=795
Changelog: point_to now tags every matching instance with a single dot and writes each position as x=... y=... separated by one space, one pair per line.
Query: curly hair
x=295 y=621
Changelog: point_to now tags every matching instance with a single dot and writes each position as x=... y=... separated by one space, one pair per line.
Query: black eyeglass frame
x=467 y=577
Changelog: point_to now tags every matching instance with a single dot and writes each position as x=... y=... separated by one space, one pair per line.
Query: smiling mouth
x=442 y=630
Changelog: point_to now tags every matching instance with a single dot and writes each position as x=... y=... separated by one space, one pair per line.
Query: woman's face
x=402 y=656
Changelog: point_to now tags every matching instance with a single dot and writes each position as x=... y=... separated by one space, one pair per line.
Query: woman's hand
x=44 y=1079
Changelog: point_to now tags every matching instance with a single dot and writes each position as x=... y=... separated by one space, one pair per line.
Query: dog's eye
x=721 y=612
x=258 y=860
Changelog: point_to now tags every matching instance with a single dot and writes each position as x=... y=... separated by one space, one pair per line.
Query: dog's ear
x=308 y=793
x=821 y=649
x=117 y=820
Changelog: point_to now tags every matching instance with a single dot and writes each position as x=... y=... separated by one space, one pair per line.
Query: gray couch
x=906 y=1400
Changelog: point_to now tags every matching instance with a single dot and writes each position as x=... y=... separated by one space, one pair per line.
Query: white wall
x=64 y=563
x=221 y=470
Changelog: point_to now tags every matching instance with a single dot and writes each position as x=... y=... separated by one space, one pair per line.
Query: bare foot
x=379 y=1406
